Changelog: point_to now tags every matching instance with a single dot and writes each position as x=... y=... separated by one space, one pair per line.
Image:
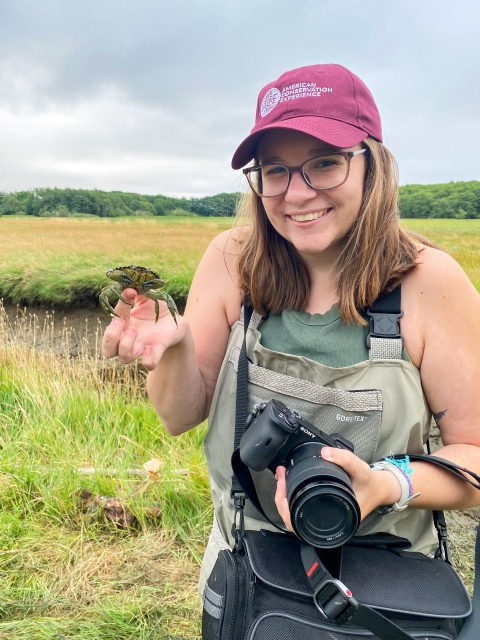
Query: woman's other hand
x=372 y=488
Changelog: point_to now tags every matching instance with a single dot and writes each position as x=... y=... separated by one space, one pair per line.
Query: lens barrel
x=323 y=507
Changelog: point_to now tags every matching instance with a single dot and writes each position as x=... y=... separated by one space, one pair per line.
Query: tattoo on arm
x=438 y=416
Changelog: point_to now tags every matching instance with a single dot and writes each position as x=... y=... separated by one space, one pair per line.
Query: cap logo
x=292 y=92
x=303 y=90
x=270 y=101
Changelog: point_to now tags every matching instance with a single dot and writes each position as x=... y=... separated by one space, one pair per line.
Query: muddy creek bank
x=73 y=332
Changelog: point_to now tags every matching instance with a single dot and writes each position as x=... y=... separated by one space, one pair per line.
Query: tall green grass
x=63 y=571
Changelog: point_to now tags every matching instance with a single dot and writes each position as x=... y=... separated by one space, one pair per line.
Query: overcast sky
x=154 y=96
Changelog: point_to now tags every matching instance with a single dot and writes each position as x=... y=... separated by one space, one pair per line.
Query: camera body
x=273 y=430
x=323 y=508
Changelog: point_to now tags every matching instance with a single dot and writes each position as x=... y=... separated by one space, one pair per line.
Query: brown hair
x=376 y=255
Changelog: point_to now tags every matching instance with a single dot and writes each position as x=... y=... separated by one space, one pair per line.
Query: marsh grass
x=460 y=238
x=61 y=262
x=66 y=572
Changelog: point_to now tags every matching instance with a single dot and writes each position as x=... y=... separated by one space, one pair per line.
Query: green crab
x=144 y=281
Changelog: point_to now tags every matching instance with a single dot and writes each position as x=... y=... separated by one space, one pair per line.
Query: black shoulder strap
x=384 y=315
x=237 y=492
x=242 y=381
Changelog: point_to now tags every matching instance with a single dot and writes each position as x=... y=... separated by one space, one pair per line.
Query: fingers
x=125 y=304
x=281 y=500
x=129 y=348
x=357 y=469
x=151 y=355
x=112 y=336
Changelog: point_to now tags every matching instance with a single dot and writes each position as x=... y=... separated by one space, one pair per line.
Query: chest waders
x=224 y=618
x=377 y=404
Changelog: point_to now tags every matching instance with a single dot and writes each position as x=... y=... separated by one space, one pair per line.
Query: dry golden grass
x=157 y=241
x=460 y=238
x=61 y=262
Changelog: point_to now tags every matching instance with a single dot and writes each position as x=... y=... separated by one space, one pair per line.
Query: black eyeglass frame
x=348 y=155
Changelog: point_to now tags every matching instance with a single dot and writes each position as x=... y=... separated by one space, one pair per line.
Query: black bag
x=272 y=586
x=264 y=593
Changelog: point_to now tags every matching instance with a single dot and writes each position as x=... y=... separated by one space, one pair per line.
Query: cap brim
x=338 y=134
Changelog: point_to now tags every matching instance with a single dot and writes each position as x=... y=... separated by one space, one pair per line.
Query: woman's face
x=333 y=211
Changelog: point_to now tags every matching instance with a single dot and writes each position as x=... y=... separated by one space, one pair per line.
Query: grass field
x=460 y=238
x=62 y=261
x=65 y=571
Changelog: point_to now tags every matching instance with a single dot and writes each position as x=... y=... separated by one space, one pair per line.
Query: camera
x=323 y=508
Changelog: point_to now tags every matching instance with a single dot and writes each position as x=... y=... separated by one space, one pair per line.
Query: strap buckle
x=384 y=325
x=238 y=526
x=335 y=601
x=443 y=547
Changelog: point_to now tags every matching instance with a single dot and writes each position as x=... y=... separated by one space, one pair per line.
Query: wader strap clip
x=441 y=527
x=238 y=526
x=384 y=325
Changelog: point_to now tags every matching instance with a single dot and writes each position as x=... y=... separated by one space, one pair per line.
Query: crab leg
x=105 y=302
x=161 y=295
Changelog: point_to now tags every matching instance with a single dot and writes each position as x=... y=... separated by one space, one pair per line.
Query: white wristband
x=405 y=497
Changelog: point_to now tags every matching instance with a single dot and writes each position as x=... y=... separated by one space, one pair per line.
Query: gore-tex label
x=350 y=418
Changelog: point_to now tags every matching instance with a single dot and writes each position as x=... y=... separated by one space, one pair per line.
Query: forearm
x=440 y=489
x=176 y=388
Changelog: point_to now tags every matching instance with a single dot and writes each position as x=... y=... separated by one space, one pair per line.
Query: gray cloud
x=154 y=96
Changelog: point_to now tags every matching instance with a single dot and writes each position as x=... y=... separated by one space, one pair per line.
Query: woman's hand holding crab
x=135 y=332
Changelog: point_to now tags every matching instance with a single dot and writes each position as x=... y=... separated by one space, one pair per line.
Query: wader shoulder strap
x=237 y=492
x=242 y=394
x=384 y=340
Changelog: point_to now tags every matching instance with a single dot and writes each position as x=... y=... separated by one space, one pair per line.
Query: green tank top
x=320 y=337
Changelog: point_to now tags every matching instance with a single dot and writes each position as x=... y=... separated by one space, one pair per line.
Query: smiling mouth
x=309 y=216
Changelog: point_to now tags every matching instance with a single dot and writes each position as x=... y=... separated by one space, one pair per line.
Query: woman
x=323 y=244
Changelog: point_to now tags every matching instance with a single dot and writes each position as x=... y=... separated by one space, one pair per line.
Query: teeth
x=308 y=216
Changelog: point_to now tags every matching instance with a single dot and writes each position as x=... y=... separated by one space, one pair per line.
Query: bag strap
x=335 y=601
x=471 y=628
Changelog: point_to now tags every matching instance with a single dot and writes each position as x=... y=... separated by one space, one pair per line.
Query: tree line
x=451 y=200
x=111 y=204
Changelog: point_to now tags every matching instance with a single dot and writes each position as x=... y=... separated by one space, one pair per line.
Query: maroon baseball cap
x=327 y=101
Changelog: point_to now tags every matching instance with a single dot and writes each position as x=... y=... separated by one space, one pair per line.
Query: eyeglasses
x=323 y=172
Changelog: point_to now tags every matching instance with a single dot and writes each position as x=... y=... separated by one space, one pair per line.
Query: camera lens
x=323 y=507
